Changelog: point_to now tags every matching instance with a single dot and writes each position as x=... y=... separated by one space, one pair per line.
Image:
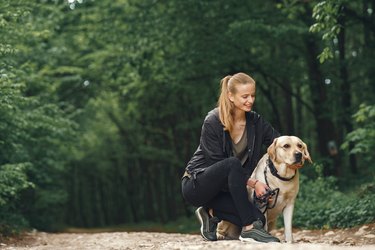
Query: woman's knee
x=234 y=165
x=233 y=162
x=227 y=166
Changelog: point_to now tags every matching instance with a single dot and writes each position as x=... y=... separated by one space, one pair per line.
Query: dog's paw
x=220 y=236
x=225 y=237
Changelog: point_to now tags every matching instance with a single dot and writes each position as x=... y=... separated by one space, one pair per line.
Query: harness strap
x=262 y=202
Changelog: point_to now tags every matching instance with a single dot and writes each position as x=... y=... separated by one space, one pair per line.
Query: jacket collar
x=251 y=119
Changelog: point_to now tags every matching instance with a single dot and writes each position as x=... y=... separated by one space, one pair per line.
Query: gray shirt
x=240 y=149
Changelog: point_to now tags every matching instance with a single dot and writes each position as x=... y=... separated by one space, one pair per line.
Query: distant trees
x=102 y=101
x=34 y=130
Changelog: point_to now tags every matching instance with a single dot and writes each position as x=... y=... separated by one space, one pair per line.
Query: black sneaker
x=208 y=225
x=257 y=233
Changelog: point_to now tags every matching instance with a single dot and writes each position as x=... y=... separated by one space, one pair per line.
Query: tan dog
x=278 y=168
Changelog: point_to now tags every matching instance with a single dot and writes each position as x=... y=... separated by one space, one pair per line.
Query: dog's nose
x=298 y=156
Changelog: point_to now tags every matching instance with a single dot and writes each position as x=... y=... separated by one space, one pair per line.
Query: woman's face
x=244 y=97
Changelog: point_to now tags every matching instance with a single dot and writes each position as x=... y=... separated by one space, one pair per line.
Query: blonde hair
x=228 y=84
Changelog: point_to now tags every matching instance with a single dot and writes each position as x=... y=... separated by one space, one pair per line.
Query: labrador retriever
x=278 y=168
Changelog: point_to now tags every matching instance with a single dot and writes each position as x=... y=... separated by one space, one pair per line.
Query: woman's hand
x=259 y=187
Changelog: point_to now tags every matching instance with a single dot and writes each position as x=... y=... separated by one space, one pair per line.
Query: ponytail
x=225 y=105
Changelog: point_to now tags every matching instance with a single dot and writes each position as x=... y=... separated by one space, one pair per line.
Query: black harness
x=262 y=202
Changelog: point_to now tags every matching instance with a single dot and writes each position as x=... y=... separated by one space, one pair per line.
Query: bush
x=321 y=205
x=13 y=180
x=363 y=137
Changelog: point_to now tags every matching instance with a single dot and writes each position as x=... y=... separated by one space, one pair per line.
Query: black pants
x=222 y=187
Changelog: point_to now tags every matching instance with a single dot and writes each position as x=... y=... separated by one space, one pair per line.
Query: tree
x=35 y=132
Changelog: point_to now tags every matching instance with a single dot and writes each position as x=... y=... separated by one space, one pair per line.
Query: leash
x=262 y=202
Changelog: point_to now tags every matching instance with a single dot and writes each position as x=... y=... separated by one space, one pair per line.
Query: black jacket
x=216 y=144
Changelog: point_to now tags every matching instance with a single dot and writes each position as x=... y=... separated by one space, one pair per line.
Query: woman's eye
x=286 y=146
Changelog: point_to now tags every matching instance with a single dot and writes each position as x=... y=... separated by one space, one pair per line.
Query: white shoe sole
x=201 y=221
x=251 y=240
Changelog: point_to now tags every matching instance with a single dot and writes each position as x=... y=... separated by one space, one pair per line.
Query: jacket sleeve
x=212 y=143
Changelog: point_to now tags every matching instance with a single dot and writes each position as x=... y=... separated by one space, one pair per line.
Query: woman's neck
x=239 y=116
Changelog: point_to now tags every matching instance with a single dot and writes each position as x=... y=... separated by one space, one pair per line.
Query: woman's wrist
x=255 y=182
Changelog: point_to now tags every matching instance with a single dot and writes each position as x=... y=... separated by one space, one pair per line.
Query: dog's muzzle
x=298 y=161
x=298 y=157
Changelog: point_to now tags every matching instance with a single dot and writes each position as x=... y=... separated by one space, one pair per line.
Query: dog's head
x=289 y=150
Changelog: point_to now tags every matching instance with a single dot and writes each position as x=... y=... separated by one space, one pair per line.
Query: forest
x=102 y=103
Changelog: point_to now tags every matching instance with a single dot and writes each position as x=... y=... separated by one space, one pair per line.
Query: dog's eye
x=299 y=145
x=286 y=146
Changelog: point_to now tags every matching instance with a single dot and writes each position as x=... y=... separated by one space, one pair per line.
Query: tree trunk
x=346 y=96
x=288 y=109
x=325 y=128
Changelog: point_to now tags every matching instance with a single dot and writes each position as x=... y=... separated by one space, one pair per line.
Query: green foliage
x=321 y=205
x=363 y=136
x=326 y=14
x=33 y=143
x=102 y=102
x=13 y=180
x=34 y=132
x=12 y=222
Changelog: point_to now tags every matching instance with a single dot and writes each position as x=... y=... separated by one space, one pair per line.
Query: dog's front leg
x=288 y=216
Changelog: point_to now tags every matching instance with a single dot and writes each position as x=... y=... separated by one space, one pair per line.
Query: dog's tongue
x=296 y=166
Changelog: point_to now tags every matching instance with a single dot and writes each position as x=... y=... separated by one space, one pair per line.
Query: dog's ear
x=272 y=150
x=306 y=153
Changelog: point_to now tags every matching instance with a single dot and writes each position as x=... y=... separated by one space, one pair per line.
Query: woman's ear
x=272 y=150
x=230 y=96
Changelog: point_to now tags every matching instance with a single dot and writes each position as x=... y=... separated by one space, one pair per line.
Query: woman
x=230 y=146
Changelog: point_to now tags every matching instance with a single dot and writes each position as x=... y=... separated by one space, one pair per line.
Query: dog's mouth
x=298 y=161
x=296 y=165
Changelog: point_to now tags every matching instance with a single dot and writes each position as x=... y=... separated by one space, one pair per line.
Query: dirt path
x=359 y=238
